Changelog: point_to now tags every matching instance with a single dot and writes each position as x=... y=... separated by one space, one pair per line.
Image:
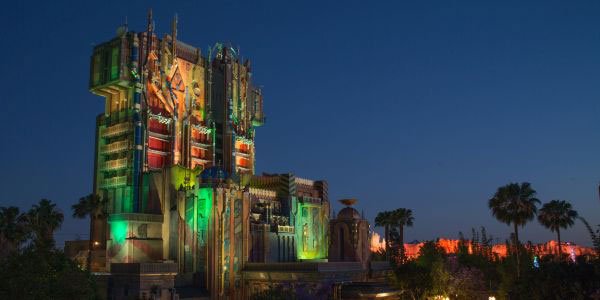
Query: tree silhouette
x=514 y=204
x=555 y=215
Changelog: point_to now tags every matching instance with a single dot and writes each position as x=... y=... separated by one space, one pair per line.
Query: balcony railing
x=200 y=159
x=306 y=199
x=115 y=164
x=242 y=168
x=202 y=129
x=115 y=181
x=159 y=135
x=144 y=268
x=200 y=143
x=283 y=228
x=242 y=152
x=115 y=147
x=116 y=130
x=263 y=193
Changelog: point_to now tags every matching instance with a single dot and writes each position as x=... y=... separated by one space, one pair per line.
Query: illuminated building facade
x=175 y=159
x=350 y=238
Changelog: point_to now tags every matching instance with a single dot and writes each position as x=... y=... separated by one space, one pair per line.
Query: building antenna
x=174 y=36
x=150 y=21
x=149 y=36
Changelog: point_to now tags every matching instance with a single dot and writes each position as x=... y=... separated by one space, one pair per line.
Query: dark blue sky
x=429 y=105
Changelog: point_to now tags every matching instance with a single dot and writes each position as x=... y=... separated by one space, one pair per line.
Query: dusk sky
x=428 y=105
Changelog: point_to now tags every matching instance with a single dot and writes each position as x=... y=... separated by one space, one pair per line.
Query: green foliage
x=43 y=220
x=34 y=269
x=594 y=235
x=434 y=273
x=432 y=258
x=13 y=230
x=413 y=279
x=476 y=275
x=553 y=280
x=514 y=203
x=557 y=214
x=384 y=219
x=39 y=273
x=429 y=254
x=481 y=258
x=394 y=223
x=292 y=291
x=440 y=279
x=91 y=205
x=378 y=255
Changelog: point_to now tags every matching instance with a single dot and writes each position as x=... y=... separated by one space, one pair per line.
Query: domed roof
x=213 y=174
x=348 y=213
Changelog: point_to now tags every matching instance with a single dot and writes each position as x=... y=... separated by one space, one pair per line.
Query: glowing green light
x=205 y=201
x=179 y=174
x=118 y=231
x=309 y=233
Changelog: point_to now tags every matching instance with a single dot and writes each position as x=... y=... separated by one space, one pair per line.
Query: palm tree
x=384 y=219
x=514 y=204
x=44 y=219
x=555 y=215
x=402 y=217
x=13 y=229
x=594 y=235
x=93 y=206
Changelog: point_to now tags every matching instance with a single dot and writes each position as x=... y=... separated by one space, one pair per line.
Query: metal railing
x=117 y=129
x=115 y=164
x=115 y=147
x=307 y=199
x=144 y=268
x=115 y=181
x=200 y=143
x=283 y=228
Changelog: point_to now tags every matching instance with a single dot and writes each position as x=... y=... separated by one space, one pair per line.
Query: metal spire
x=150 y=22
x=174 y=36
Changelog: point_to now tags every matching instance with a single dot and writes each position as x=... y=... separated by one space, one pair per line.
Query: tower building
x=175 y=162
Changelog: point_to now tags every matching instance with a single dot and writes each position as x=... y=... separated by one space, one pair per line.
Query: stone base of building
x=318 y=280
x=310 y=280
x=142 y=281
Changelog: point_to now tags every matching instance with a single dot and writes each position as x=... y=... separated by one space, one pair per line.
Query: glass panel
x=96 y=68
x=114 y=62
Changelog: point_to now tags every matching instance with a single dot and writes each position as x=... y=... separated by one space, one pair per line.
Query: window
x=114 y=63
x=143 y=231
x=96 y=68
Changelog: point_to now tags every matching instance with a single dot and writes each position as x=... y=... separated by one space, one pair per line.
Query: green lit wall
x=310 y=234
x=179 y=173
x=118 y=231
x=203 y=209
